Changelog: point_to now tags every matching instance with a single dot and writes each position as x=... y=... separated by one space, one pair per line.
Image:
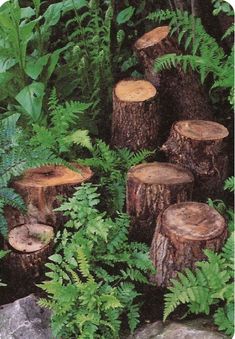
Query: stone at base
x=24 y=319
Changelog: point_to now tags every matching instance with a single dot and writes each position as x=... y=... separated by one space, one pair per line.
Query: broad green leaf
x=30 y=98
x=125 y=15
x=57 y=258
x=71 y=4
x=6 y=63
x=53 y=14
x=34 y=68
x=26 y=32
x=26 y=12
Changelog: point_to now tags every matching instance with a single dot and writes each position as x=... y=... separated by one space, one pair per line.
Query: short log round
x=30 y=246
x=41 y=188
x=199 y=146
x=183 y=231
x=135 y=119
x=151 y=188
x=181 y=94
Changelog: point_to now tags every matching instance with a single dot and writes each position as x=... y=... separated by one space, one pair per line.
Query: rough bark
x=181 y=95
x=151 y=188
x=41 y=188
x=199 y=146
x=30 y=246
x=135 y=119
x=183 y=231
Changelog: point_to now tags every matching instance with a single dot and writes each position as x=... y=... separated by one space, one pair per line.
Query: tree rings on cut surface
x=183 y=231
x=135 y=119
x=30 y=245
x=151 y=188
x=40 y=188
x=199 y=146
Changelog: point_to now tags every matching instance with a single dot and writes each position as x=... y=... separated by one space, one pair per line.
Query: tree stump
x=199 y=146
x=41 y=188
x=30 y=245
x=151 y=188
x=135 y=119
x=183 y=231
x=181 y=94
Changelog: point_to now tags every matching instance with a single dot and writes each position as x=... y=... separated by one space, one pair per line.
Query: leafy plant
x=209 y=284
x=111 y=166
x=15 y=157
x=93 y=272
x=207 y=56
x=61 y=134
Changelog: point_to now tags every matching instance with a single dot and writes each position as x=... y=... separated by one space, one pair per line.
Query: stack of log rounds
x=135 y=119
x=40 y=188
x=183 y=231
x=199 y=146
x=30 y=245
x=181 y=94
x=151 y=188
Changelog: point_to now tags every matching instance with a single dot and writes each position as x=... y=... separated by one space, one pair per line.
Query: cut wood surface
x=40 y=189
x=183 y=231
x=135 y=119
x=29 y=245
x=152 y=187
x=181 y=94
x=199 y=146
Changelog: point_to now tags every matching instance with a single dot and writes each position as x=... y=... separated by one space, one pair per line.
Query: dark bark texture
x=174 y=250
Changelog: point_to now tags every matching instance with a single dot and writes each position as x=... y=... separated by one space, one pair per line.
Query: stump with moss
x=183 y=231
x=151 y=188
x=199 y=145
x=135 y=119
x=41 y=189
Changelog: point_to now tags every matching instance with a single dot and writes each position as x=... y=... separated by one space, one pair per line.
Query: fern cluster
x=93 y=273
x=210 y=283
x=207 y=56
x=111 y=166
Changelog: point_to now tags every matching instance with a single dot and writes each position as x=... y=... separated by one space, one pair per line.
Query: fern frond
x=229 y=184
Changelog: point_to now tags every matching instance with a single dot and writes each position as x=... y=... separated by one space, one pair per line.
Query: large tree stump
x=30 y=245
x=41 y=188
x=151 y=188
x=181 y=94
x=199 y=146
x=183 y=231
x=135 y=120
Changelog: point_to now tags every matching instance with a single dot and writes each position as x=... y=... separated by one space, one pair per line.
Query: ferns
x=93 y=274
x=211 y=282
x=207 y=56
x=229 y=184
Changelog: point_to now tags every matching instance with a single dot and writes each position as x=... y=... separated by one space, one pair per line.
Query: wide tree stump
x=41 y=189
x=181 y=94
x=183 y=231
x=135 y=119
x=151 y=188
x=30 y=245
x=199 y=146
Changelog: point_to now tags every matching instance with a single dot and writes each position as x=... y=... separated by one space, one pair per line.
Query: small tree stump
x=40 y=189
x=181 y=94
x=135 y=119
x=183 y=231
x=151 y=188
x=30 y=245
x=199 y=146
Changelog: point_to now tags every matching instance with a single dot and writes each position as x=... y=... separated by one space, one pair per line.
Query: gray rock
x=24 y=319
x=193 y=329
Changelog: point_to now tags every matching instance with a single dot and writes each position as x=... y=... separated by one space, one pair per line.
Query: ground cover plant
x=59 y=63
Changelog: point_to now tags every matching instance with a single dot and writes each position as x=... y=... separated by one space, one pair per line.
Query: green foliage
x=207 y=56
x=222 y=6
x=61 y=133
x=229 y=184
x=15 y=157
x=111 y=167
x=210 y=283
x=92 y=276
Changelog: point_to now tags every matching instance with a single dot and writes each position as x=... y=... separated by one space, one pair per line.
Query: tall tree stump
x=181 y=94
x=183 y=231
x=135 y=119
x=41 y=188
x=199 y=146
x=151 y=188
x=30 y=245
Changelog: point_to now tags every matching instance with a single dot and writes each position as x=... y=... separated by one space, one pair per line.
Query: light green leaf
x=34 y=68
x=125 y=15
x=26 y=12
